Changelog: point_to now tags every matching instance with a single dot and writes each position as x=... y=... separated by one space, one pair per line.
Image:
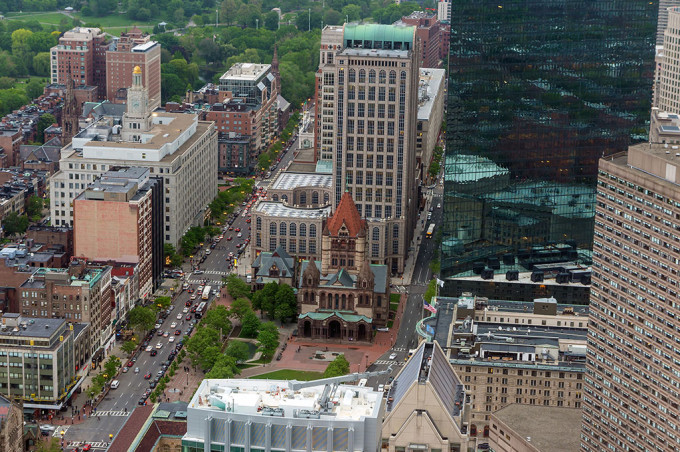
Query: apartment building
x=431 y=95
x=88 y=56
x=79 y=293
x=505 y=352
x=633 y=371
x=176 y=147
x=133 y=48
x=430 y=34
x=367 y=113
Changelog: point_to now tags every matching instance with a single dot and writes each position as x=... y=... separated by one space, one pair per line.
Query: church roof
x=347 y=316
x=380 y=281
x=264 y=262
x=346 y=213
x=342 y=277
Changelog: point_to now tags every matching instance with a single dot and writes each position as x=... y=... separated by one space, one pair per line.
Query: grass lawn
x=394 y=298
x=51 y=18
x=115 y=20
x=289 y=374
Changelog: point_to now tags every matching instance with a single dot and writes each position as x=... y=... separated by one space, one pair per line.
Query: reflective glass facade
x=538 y=91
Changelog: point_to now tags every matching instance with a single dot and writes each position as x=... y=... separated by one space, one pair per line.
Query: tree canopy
x=268 y=339
x=337 y=368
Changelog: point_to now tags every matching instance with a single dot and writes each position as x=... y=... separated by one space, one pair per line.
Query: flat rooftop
x=551 y=429
x=276 y=398
x=499 y=276
x=278 y=209
x=245 y=71
x=430 y=83
x=32 y=327
x=289 y=181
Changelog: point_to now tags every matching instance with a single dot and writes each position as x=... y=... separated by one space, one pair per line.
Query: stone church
x=343 y=297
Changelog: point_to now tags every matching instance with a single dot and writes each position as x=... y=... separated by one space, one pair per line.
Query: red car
x=86 y=447
x=178 y=332
x=248 y=220
x=188 y=317
x=231 y=228
x=190 y=290
x=229 y=238
x=238 y=229
x=188 y=303
x=147 y=376
x=130 y=364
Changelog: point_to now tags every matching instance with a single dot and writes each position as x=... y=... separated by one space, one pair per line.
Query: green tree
x=239 y=308
x=41 y=64
x=129 y=346
x=171 y=254
x=332 y=17
x=271 y=20
x=265 y=299
x=111 y=367
x=6 y=82
x=286 y=304
x=218 y=319
x=34 y=89
x=224 y=367
x=268 y=339
x=250 y=325
x=14 y=223
x=161 y=303
x=202 y=348
x=34 y=208
x=237 y=288
x=431 y=290
x=45 y=120
x=337 y=368
x=238 y=350
x=351 y=12
x=142 y=318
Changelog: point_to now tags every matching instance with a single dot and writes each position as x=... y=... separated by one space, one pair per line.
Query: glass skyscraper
x=538 y=91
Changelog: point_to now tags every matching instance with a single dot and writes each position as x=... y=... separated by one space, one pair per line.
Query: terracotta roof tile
x=346 y=213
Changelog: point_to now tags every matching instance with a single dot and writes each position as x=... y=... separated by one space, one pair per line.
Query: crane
x=332 y=383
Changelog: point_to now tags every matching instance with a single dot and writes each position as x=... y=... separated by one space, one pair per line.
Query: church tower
x=70 y=113
x=137 y=119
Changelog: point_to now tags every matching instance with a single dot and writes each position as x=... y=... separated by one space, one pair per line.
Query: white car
x=179 y=316
x=439 y=205
x=149 y=348
x=158 y=325
x=381 y=388
x=393 y=356
x=239 y=235
x=172 y=339
x=173 y=324
x=194 y=296
x=159 y=345
x=185 y=310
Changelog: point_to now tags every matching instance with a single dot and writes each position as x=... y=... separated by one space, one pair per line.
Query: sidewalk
x=409 y=265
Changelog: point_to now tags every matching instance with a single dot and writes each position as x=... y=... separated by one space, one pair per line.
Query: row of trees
x=99 y=381
x=265 y=159
x=227 y=200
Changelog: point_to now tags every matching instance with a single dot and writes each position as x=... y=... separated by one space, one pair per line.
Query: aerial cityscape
x=340 y=226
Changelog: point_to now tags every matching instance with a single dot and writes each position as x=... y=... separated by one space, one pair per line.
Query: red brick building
x=133 y=48
x=429 y=32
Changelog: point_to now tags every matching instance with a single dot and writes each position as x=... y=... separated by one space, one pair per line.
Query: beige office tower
x=663 y=21
x=367 y=107
x=632 y=385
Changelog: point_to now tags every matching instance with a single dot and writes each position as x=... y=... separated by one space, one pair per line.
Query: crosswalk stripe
x=387 y=362
x=112 y=413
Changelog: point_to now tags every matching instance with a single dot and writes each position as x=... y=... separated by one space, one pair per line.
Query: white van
x=115 y=384
x=362 y=382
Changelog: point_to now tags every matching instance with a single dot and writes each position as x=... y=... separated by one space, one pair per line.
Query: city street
x=119 y=403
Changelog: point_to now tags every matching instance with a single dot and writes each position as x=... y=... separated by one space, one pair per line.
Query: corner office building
x=632 y=385
x=530 y=114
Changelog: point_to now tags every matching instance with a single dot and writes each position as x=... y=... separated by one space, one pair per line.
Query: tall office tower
x=529 y=115
x=668 y=98
x=371 y=72
x=664 y=5
x=632 y=385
